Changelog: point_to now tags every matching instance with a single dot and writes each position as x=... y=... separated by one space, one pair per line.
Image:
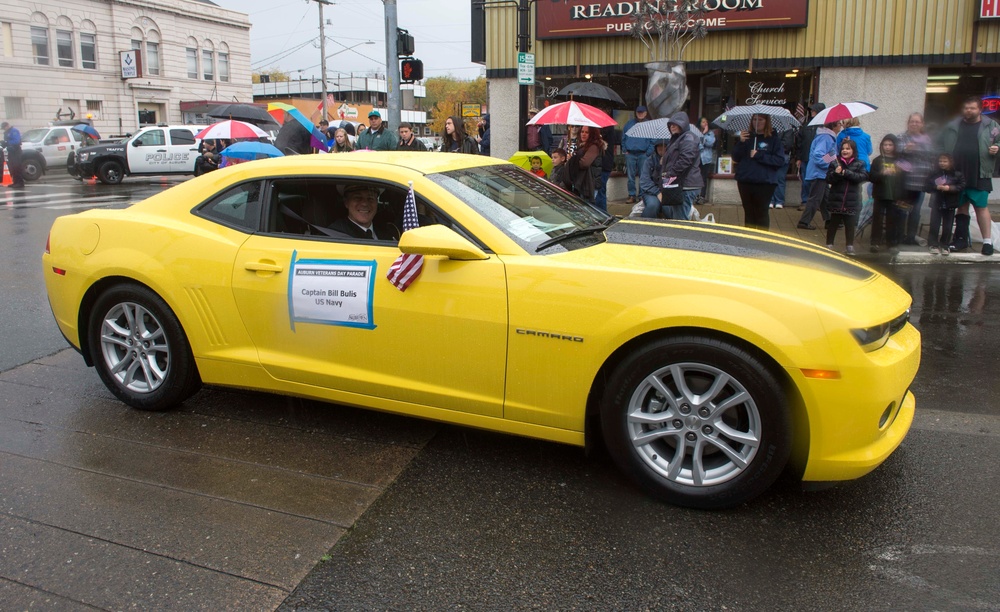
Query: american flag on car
x=407 y=266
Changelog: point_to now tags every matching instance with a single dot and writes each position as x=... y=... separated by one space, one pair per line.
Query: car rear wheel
x=140 y=350
x=696 y=422
x=31 y=169
x=111 y=172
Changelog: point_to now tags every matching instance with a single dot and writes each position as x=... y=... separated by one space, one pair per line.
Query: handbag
x=672 y=196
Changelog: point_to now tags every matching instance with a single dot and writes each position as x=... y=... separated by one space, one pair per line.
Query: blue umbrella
x=251 y=150
x=87 y=129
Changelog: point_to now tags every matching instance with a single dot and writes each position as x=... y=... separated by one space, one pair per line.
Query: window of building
x=88 y=51
x=14 y=107
x=40 y=45
x=207 y=65
x=64 y=48
x=8 y=42
x=152 y=58
x=192 y=63
x=224 y=67
x=93 y=106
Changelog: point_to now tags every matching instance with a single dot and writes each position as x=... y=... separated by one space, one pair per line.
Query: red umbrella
x=572 y=113
x=232 y=130
x=844 y=110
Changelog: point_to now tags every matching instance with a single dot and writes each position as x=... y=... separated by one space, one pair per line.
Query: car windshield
x=528 y=209
x=35 y=135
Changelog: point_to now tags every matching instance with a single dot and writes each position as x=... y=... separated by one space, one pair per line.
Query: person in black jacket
x=407 y=141
x=845 y=176
x=455 y=140
x=945 y=186
x=759 y=157
x=803 y=145
x=888 y=189
x=361 y=202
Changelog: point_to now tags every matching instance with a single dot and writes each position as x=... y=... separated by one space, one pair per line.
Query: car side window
x=181 y=137
x=238 y=207
x=77 y=135
x=152 y=138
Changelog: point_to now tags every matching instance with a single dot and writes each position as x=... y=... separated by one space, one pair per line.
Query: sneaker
x=952 y=248
x=829 y=246
x=987 y=248
x=850 y=251
x=771 y=205
x=874 y=248
x=805 y=226
x=779 y=205
x=945 y=252
x=935 y=251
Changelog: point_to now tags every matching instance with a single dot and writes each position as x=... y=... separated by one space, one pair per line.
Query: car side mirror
x=137 y=143
x=439 y=240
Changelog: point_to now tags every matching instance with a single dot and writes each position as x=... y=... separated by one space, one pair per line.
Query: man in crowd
x=407 y=141
x=803 y=144
x=12 y=142
x=636 y=150
x=539 y=136
x=973 y=141
x=377 y=137
x=822 y=152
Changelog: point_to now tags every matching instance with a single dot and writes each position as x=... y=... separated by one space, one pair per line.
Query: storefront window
x=947 y=88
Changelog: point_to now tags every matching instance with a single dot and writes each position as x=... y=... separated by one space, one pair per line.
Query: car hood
x=727 y=253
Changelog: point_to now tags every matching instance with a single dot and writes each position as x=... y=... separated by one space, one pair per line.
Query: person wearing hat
x=361 y=202
x=803 y=145
x=636 y=151
x=539 y=136
x=12 y=142
x=377 y=137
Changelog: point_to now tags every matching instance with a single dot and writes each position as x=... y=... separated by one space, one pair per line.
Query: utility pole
x=393 y=94
x=523 y=46
x=322 y=51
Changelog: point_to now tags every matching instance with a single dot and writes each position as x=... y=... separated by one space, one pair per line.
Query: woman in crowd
x=571 y=140
x=759 y=156
x=916 y=152
x=584 y=165
x=455 y=140
x=706 y=151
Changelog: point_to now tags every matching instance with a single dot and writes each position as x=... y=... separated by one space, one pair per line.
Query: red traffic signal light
x=411 y=70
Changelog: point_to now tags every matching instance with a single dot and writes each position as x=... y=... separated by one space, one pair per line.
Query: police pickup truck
x=159 y=149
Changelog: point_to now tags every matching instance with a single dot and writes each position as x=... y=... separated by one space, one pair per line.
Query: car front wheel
x=140 y=350
x=696 y=422
x=110 y=172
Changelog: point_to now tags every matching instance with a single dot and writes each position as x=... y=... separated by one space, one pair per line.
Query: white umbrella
x=737 y=119
x=844 y=110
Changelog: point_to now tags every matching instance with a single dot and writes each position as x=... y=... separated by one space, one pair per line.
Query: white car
x=155 y=149
x=49 y=147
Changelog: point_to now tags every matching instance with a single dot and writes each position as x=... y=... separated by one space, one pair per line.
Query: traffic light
x=404 y=43
x=411 y=70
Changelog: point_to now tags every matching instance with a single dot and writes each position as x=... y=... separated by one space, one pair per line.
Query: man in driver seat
x=361 y=202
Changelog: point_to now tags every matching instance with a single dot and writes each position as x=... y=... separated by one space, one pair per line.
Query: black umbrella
x=592 y=90
x=250 y=113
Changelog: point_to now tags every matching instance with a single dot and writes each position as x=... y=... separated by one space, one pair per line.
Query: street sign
x=471 y=110
x=525 y=68
x=131 y=63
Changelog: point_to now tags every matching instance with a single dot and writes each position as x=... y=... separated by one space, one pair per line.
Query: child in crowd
x=845 y=176
x=536 y=167
x=887 y=189
x=558 y=176
x=945 y=186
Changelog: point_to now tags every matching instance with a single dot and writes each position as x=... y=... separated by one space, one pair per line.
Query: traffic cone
x=7 y=178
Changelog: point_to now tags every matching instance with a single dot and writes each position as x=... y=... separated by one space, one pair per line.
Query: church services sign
x=587 y=18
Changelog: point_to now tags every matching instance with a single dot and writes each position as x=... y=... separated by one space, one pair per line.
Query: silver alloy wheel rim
x=694 y=424
x=135 y=347
x=111 y=174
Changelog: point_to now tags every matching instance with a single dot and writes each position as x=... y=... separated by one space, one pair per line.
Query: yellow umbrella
x=523 y=159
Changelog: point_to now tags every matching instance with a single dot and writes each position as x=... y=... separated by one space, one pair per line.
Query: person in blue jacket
x=759 y=156
x=636 y=151
x=822 y=151
x=852 y=131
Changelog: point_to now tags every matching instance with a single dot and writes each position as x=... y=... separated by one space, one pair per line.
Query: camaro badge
x=542 y=334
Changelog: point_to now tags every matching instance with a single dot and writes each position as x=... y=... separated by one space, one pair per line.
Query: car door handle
x=263 y=266
x=161 y=150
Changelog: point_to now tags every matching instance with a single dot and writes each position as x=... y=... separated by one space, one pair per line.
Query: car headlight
x=83 y=156
x=873 y=338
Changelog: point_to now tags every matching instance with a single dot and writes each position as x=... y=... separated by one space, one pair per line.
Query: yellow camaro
x=707 y=357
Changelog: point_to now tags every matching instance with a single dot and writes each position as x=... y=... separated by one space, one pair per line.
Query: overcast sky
x=440 y=29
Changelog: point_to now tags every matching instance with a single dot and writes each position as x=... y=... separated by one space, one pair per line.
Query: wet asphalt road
x=248 y=501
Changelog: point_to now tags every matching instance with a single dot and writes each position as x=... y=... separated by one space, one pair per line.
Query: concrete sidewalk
x=785 y=221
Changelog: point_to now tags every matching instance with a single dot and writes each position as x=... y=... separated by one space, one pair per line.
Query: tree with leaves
x=445 y=96
x=274 y=75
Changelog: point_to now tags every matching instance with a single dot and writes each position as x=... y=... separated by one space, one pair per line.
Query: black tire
x=148 y=366
x=111 y=172
x=31 y=169
x=739 y=435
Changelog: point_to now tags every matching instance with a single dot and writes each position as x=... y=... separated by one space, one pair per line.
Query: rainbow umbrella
x=279 y=110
